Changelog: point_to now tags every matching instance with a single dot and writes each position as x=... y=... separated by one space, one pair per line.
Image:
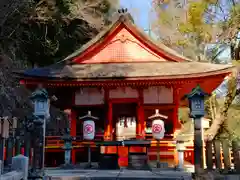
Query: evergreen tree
x=41 y=32
x=45 y=31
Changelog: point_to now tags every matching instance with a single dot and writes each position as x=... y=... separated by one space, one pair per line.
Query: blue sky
x=140 y=10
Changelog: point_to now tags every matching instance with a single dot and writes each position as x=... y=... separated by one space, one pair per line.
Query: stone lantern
x=67 y=138
x=41 y=102
x=196 y=104
x=40 y=114
x=180 y=146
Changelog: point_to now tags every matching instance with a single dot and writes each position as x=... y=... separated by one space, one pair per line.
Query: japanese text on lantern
x=88 y=128
x=157 y=128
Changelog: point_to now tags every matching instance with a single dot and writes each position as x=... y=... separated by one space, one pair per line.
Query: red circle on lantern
x=88 y=128
x=157 y=128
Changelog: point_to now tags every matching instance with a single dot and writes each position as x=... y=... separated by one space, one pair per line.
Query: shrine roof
x=123 y=51
x=123 y=41
x=144 y=70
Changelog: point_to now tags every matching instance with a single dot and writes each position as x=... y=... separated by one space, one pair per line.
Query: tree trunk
x=222 y=113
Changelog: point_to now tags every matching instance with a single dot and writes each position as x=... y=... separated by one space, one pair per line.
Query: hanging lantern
x=158 y=128
x=88 y=126
x=89 y=129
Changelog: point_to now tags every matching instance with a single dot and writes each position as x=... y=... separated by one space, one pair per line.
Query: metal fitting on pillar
x=180 y=146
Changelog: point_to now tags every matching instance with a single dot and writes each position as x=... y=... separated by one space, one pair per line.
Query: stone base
x=67 y=166
x=162 y=165
x=118 y=174
x=92 y=165
x=108 y=162
x=138 y=161
x=35 y=175
x=179 y=168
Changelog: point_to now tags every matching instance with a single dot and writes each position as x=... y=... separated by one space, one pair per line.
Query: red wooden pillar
x=73 y=119
x=140 y=116
x=176 y=123
x=108 y=126
x=176 y=99
x=110 y=123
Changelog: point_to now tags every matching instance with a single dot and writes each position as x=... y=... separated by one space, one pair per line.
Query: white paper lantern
x=88 y=130
x=158 y=129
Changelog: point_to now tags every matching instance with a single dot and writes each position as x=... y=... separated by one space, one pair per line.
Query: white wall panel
x=158 y=95
x=123 y=92
x=89 y=96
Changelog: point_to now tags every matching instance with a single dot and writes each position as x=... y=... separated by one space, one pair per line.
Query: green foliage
x=196 y=12
x=49 y=30
x=195 y=27
x=45 y=43
x=234 y=15
x=187 y=26
x=64 y=6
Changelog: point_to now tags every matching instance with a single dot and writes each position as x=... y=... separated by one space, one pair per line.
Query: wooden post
x=17 y=146
x=2 y=143
x=209 y=155
x=236 y=155
x=140 y=113
x=226 y=155
x=5 y=135
x=198 y=144
x=176 y=124
x=73 y=123
x=17 y=140
x=158 y=154
x=217 y=151
x=27 y=144
x=110 y=119
x=73 y=132
x=10 y=143
x=9 y=150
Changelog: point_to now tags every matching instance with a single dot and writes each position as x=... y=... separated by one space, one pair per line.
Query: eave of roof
x=127 y=71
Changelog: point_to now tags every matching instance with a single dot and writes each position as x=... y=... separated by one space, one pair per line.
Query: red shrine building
x=122 y=77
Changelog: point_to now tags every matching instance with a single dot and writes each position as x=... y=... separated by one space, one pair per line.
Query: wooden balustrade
x=166 y=145
x=57 y=141
x=222 y=155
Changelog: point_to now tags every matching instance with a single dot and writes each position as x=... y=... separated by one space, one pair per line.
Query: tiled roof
x=163 y=70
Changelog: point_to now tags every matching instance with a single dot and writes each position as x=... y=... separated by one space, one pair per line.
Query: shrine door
x=125 y=120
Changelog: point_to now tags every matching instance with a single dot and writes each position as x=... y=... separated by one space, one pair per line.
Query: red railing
x=56 y=141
